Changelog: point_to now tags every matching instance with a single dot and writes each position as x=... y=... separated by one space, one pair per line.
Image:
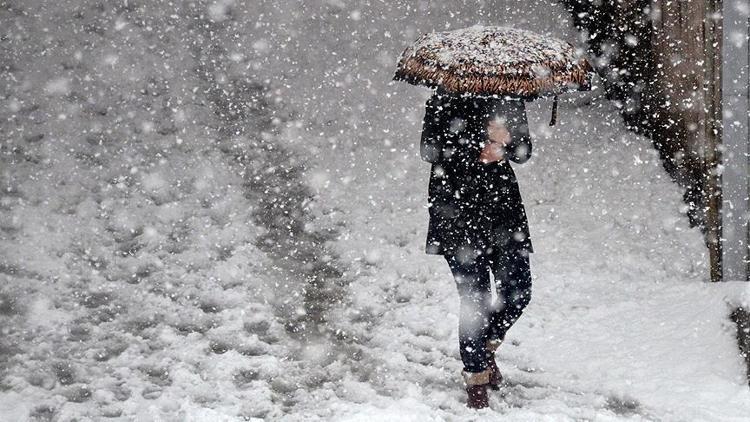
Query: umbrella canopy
x=494 y=60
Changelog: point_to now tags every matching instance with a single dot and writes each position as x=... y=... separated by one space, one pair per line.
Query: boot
x=496 y=378
x=476 y=388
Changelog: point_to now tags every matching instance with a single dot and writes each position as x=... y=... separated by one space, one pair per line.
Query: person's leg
x=513 y=283
x=473 y=284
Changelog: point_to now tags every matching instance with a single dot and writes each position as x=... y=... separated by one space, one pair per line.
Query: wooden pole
x=712 y=132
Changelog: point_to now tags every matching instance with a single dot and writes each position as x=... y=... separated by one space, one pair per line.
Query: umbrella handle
x=553 y=118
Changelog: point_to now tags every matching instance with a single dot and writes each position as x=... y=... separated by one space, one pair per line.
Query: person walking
x=477 y=221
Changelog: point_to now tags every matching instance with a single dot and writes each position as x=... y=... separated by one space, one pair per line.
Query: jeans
x=480 y=319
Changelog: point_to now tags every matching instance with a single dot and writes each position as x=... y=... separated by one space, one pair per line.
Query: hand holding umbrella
x=499 y=136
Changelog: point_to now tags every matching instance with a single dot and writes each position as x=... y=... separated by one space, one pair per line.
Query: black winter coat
x=474 y=207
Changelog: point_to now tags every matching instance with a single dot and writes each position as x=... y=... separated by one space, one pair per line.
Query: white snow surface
x=135 y=278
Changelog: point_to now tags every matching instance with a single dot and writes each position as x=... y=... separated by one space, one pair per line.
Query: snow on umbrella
x=495 y=60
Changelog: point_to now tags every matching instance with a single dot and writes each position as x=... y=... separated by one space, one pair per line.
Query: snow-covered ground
x=216 y=211
x=621 y=324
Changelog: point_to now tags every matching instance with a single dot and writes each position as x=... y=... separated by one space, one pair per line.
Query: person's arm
x=435 y=130
x=518 y=149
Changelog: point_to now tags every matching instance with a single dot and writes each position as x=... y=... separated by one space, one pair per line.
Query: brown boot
x=476 y=388
x=496 y=378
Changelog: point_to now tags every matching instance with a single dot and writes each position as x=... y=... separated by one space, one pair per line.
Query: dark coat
x=474 y=207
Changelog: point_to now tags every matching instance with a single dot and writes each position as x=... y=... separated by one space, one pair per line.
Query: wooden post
x=712 y=133
x=735 y=90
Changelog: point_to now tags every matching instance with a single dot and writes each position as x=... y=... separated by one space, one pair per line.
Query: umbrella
x=493 y=60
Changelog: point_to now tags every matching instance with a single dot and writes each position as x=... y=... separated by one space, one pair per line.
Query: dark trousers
x=480 y=319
